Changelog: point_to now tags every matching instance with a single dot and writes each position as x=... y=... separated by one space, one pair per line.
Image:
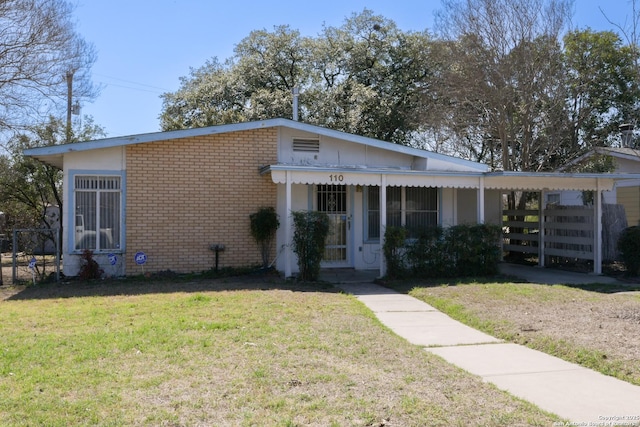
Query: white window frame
x=72 y=220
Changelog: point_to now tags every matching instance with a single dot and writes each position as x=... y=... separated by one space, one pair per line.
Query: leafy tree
x=364 y=77
x=271 y=65
x=39 y=54
x=28 y=186
x=211 y=95
x=369 y=78
x=602 y=86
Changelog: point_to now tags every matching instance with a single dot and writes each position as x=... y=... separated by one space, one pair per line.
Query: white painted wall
x=337 y=152
x=108 y=159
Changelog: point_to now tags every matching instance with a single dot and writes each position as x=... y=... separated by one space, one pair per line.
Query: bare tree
x=38 y=50
x=630 y=30
x=502 y=80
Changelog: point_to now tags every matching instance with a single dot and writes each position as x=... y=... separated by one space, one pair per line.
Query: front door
x=333 y=200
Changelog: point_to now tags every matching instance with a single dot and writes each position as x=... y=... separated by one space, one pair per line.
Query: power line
x=130 y=82
x=134 y=88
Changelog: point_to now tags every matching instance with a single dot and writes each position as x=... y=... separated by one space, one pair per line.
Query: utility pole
x=69 y=78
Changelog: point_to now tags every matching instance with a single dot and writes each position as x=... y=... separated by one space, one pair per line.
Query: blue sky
x=145 y=47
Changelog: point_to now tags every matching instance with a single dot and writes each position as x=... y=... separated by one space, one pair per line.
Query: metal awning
x=525 y=181
x=481 y=181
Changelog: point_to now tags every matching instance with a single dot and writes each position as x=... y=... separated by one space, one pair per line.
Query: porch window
x=98 y=201
x=412 y=207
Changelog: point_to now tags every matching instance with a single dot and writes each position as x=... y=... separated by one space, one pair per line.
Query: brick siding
x=186 y=194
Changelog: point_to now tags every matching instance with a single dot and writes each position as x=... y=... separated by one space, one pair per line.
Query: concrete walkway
x=577 y=394
x=552 y=276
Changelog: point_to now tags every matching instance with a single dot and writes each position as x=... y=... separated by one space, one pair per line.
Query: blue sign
x=112 y=259
x=32 y=263
x=140 y=258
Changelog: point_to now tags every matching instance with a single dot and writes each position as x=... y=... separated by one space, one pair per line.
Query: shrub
x=475 y=248
x=393 y=249
x=90 y=269
x=629 y=247
x=264 y=224
x=462 y=250
x=427 y=254
x=310 y=233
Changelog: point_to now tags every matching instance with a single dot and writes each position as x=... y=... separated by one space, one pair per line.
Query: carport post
x=287 y=226
x=597 y=238
x=383 y=222
x=481 y=200
x=541 y=231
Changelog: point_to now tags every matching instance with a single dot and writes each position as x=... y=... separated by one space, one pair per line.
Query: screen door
x=332 y=200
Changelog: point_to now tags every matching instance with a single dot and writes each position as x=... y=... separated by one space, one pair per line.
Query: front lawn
x=225 y=353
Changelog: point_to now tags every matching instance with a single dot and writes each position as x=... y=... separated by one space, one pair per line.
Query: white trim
x=597 y=249
x=531 y=181
x=51 y=154
x=541 y=232
x=481 y=200
x=288 y=256
x=383 y=222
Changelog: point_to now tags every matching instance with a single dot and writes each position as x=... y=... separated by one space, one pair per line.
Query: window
x=553 y=198
x=97 y=212
x=412 y=207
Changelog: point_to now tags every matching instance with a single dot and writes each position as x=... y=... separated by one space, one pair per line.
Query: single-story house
x=626 y=160
x=162 y=201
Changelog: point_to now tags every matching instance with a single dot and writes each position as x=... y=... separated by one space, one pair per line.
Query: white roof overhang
x=371 y=176
x=525 y=181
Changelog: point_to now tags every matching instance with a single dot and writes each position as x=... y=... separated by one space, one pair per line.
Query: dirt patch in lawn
x=595 y=327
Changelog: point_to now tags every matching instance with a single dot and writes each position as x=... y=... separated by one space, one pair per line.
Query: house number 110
x=336 y=178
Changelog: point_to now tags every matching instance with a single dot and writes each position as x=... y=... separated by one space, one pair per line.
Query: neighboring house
x=174 y=195
x=626 y=192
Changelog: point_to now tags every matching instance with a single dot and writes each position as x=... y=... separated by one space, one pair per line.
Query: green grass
x=222 y=353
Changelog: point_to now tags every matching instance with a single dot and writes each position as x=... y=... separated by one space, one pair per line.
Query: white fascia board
x=148 y=137
x=43 y=152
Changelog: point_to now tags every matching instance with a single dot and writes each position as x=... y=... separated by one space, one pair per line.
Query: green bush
x=393 y=249
x=264 y=224
x=427 y=254
x=629 y=247
x=309 y=236
x=458 y=251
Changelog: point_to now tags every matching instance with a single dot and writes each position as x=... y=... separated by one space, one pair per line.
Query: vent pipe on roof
x=296 y=93
x=626 y=129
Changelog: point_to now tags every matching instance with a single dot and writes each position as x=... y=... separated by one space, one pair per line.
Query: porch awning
x=371 y=176
x=359 y=175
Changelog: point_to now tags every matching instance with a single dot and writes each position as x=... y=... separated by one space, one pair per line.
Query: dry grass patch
x=590 y=326
x=227 y=355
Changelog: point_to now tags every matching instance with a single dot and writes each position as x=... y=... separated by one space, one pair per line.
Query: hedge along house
x=175 y=195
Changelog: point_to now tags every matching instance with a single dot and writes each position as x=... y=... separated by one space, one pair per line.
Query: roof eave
x=45 y=152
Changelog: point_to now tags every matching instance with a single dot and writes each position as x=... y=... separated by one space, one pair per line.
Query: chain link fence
x=35 y=255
